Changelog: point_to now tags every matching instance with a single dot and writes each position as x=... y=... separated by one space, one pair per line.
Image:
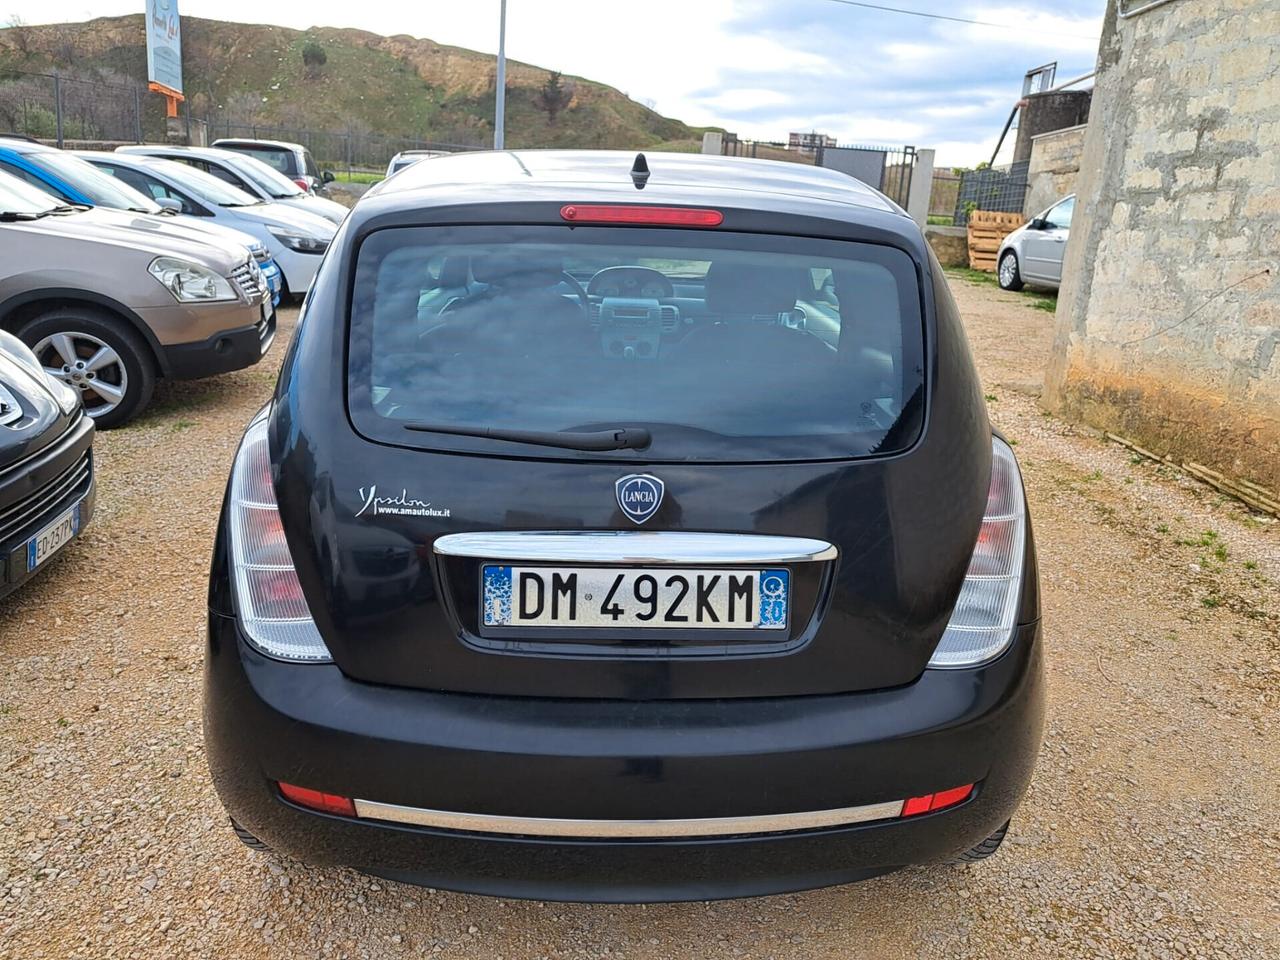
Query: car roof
x=509 y=174
x=200 y=153
x=281 y=144
x=23 y=145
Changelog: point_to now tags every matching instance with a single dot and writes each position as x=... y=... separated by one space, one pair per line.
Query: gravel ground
x=1151 y=829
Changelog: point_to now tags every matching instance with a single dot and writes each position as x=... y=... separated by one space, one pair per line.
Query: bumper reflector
x=914 y=806
x=315 y=800
x=632 y=829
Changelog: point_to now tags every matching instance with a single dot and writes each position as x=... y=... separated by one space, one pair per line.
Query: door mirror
x=327 y=176
x=168 y=203
x=1039 y=223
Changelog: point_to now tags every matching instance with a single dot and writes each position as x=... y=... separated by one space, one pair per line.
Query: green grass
x=1162 y=528
x=1251 y=565
x=990 y=397
x=1212 y=601
x=973 y=276
x=938 y=221
x=357 y=176
x=1207 y=539
x=1045 y=303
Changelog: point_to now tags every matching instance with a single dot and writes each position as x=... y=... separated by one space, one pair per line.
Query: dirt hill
x=343 y=79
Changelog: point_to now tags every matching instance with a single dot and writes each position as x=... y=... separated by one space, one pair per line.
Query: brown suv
x=110 y=301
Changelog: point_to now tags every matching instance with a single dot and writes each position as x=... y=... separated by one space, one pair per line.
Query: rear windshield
x=278 y=158
x=725 y=347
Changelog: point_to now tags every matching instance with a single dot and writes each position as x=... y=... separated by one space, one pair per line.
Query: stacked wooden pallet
x=987 y=230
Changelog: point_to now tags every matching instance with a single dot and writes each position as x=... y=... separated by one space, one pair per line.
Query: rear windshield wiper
x=620 y=438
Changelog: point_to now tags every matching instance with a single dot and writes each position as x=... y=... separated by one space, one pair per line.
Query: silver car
x=1033 y=253
x=246 y=172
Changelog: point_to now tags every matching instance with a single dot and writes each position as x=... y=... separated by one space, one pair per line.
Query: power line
x=939 y=16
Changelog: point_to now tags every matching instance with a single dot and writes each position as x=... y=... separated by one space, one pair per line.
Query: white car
x=1033 y=253
x=250 y=174
x=407 y=158
x=296 y=240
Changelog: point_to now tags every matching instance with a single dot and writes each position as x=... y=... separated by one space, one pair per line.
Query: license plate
x=637 y=597
x=53 y=538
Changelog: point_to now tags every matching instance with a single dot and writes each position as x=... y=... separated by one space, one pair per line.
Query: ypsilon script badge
x=639 y=495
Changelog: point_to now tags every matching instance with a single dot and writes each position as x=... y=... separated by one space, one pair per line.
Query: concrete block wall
x=1054 y=168
x=1168 y=324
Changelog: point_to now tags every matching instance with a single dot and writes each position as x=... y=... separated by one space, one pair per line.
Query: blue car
x=73 y=180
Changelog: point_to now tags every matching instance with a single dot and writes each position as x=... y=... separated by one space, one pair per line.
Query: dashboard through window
x=724 y=347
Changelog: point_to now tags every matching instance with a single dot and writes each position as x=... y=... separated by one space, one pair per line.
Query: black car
x=625 y=529
x=46 y=465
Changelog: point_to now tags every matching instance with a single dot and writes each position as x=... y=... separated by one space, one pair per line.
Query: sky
x=760 y=68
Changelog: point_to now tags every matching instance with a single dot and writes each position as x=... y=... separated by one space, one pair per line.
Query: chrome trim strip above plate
x=627 y=829
x=634 y=547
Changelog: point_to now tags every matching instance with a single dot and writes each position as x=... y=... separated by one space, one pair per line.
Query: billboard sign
x=164 y=44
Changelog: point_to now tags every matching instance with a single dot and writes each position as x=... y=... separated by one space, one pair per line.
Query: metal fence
x=51 y=106
x=1002 y=189
x=108 y=108
x=888 y=169
x=335 y=149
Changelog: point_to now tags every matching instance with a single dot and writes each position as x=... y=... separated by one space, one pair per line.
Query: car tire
x=129 y=371
x=986 y=848
x=247 y=838
x=1009 y=273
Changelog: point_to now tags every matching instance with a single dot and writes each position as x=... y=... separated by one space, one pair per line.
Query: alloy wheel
x=88 y=365
x=1008 y=270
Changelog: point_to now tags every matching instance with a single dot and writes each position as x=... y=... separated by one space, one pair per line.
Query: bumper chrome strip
x=634 y=547
x=627 y=829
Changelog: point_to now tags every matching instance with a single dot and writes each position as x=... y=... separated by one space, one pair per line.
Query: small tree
x=555 y=95
x=313 y=57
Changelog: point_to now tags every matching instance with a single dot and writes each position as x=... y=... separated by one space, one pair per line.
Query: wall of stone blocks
x=1169 y=319
x=1054 y=169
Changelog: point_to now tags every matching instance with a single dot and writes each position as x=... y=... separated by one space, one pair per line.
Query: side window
x=29 y=177
x=309 y=164
x=226 y=176
x=157 y=191
x=1060 y=216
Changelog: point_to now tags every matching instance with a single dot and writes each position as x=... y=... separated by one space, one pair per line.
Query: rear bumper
x=223 y=352
x=509 y=757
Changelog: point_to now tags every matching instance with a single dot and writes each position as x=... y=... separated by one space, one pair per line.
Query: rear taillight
x=986 y=611
x=272 y=609
x=318 y=800
x=302 y=184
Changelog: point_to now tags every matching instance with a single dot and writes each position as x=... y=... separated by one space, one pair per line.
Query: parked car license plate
x=53 y=537
x=639 y=597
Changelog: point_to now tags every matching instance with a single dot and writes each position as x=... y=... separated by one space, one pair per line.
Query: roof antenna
x=640 y=171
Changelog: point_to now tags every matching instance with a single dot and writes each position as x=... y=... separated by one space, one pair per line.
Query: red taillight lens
x=936 y=801
x=302 y=183
x=315 y=800
x=659 y=216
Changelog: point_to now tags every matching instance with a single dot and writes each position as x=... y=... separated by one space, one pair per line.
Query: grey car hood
x=149 y=234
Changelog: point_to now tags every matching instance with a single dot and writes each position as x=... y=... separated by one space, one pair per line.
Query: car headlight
x=300 y=242
x=21 y=354
x=190 y=282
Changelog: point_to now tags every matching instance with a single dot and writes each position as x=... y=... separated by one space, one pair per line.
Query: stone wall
x=1169 y=318
x=1054 y=169
x=950 y=245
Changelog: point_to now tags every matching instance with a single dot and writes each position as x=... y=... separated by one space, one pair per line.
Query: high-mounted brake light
x=984 y=618
x=632 y=213
x=272 y=609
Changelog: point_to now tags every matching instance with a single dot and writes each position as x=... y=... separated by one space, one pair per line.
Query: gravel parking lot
x=1152 y=829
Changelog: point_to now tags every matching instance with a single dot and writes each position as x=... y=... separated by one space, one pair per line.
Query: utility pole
x=500 y=105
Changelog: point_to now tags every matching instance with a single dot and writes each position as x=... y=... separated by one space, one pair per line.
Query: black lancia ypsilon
x=624 y=529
